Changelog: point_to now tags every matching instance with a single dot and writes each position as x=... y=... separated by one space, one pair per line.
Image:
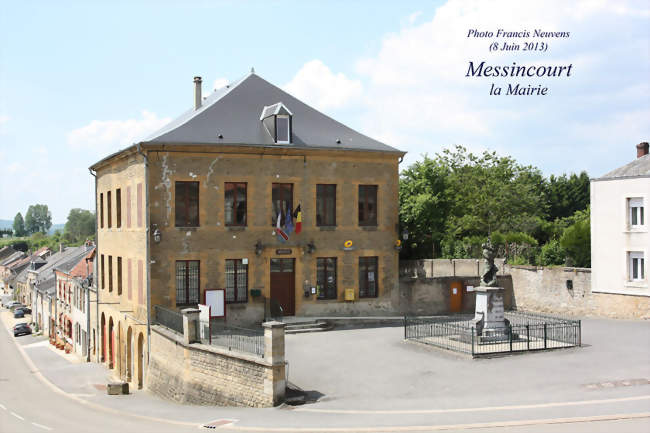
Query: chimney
x=641 y=149
x=197 y=92
x=60 y=247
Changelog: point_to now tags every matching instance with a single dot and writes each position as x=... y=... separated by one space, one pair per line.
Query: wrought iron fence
x=525 y=332
x=236 y=338
x=168 y=318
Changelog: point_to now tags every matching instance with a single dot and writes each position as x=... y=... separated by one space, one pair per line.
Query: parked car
x=16 y=305
x=22 y=329
x=25 y=310
x=11 y=304
x=19 y=314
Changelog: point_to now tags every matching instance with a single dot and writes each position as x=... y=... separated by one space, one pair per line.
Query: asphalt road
x=370 y=380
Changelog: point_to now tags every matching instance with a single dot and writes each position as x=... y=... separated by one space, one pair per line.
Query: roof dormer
x=277 y=120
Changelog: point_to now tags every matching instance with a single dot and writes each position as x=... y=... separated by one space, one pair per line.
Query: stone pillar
x=275 y=383
x=191 y=325
x=489 y=308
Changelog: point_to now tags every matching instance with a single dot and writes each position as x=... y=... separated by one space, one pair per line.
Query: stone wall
x=546 y=290
x=209 y=375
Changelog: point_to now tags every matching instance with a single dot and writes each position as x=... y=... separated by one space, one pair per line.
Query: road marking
x=477 y=409
x=493 y=424
x=3 y=407
x=44 y=427
x=17 y=416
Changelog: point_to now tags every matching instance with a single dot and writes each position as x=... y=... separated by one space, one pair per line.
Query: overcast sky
x=80 y=80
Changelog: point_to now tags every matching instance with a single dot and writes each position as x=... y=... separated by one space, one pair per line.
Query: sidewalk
x=86 y=383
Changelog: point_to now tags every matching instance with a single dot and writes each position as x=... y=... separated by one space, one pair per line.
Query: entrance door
x=283 y=284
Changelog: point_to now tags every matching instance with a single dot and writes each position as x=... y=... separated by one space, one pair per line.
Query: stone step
x=307 y=326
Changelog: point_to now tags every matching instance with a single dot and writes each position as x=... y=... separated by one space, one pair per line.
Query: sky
x=80 y=80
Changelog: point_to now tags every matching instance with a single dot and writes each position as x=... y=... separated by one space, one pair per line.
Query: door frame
x=292 y=291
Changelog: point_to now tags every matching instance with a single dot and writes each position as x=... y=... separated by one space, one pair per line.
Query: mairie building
x=250 y=191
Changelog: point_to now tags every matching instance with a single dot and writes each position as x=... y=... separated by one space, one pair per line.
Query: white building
x=620 y=240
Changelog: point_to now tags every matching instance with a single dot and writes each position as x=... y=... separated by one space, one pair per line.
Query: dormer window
x=277 y=120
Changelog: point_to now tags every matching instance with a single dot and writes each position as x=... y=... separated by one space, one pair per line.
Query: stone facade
x=546 y=290
x=209 y=375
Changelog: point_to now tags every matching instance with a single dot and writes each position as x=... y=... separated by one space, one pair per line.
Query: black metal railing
x=241 y=339
x=168 y=318
x=524 y=332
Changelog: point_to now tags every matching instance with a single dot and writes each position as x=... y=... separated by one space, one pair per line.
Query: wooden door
x=456 y=297
x=283 y=284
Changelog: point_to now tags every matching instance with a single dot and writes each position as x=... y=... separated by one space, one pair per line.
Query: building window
x=139 y=204
x=103 y=274
x=129 y=278
x=110 y=273
x=119 y=276
x=109 y=209
x=282 y=202
x=118 y=208
x=101 y=210
x=128 y=207
x=187 y=282
x=236 y=281
x=325 y=205
x=636 y=212
x=368 y=277
x=326 y=277
x=282 y=129
x=636 y=266
x=187 y=204
x=235 y=204
x=367 y=205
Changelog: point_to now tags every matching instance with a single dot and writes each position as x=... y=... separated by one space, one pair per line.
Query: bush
x=551 y=254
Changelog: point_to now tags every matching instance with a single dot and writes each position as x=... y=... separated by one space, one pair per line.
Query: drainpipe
x=96 y=269
x=148 y=246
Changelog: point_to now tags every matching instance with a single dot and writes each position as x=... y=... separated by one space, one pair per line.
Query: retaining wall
x=209 y=375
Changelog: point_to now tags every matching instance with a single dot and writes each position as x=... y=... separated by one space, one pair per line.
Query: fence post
x=510 y=336
x=275 y=383
x=579 y=333
x=544 y=335
x=527 y=337
x=405 y=327
x=473 y=341
x=190 y=324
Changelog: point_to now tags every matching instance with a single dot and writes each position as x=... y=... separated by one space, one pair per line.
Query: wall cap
x=274 y=324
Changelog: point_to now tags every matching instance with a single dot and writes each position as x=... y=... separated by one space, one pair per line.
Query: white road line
x=2 y=407
x=477 y=409
x=17 y=416
x=44 y=427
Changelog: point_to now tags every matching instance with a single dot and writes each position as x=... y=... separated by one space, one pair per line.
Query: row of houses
x=57 y=286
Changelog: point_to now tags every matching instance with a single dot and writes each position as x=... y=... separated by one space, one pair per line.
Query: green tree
x=19 y=225
x=566 y=194
x=80 y=225
x=38 y=219
x=576 y=240
x=423 y=206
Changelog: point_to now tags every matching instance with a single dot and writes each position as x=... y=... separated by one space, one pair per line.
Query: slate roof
x=637 y=168
x=6 y=252
x=63 y=261
x=233 y=112
x=12 y=258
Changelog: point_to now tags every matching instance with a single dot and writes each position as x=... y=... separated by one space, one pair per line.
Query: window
x=128 y=207
x=636 y=266
x=282 y=202
x=367 y=205
x=325 y=205
x=119 y=276
x=140 y=282
x=118 y=208
x=129 y=278
x=235 y=204
x=109 y=209
x=187 y=282
x=103 y=274
x=110 y=273
x=277 y=120
x=326 y=277
x=139 y=204
x=187 y=204
x=282 y=128
x=101 y=210
x=236 y=281
x=636 y=214
x=367 y=277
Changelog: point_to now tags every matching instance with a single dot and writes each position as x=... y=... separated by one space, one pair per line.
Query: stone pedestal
x=489 y=308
